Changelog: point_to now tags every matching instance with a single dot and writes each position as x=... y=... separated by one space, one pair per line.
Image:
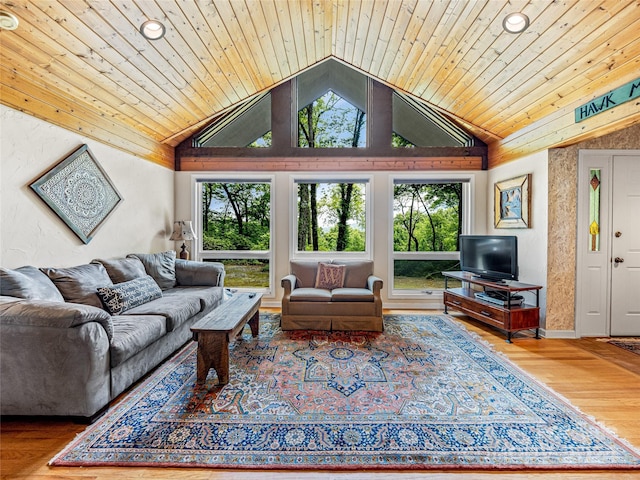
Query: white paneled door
x=625 y=246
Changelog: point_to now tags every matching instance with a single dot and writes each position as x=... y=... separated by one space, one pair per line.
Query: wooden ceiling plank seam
x=229 y=28
x=340 y=27
x=256 y=15
x=218 y=88
x=291 y=46
x=185 y=42
x=256 y=48
x=284 y=54
x=228 y=57
x=418 y=40
x=373 y=35
x=77 y=87
x=496 y=42
x=624 y=73
x=543 y=50
x=168 y=69
x=310 y=31
x=480 y=54
x=387 y=26
x=364 y=24
x=441 y=65
x=57 y=65
x=109 y=134
x=399 y=32
x=298 y=31
x=557 y=89
x=323 y=24
x=125 y=56
x=160 y=75
x=353 y=24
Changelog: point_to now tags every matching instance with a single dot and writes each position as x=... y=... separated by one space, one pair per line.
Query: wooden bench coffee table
x=215 y=331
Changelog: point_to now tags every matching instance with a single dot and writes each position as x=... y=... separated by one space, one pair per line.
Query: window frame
x=468 y=190
x=355 y=177
x=196 y=208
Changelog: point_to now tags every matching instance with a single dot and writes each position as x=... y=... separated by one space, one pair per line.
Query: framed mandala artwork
x=80 y=192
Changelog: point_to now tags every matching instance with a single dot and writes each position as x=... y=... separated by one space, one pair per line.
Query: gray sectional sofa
x=332 y=295
x=72 y=339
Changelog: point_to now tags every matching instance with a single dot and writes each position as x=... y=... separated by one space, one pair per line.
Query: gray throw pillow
x=123 y=269
x=80 y=284
x=124 y=296
x=28 y=283
x=161 y=266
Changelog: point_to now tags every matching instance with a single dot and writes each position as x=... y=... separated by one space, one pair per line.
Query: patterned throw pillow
x=330 y=276
x=124 y=296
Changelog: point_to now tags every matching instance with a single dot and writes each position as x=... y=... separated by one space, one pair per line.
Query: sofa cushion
x=123 y=269
x=29 y=283
x=80 y=284
x=330 y=276
x=176 y=310
x=357 y=272
x=352 y=295
x=132 y=334
x=191 y=273
x=310 y=295
x=305 y=272
x=124 y=296
x=209 y=297
x=161 y=266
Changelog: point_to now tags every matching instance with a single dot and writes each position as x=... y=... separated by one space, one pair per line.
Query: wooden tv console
x=510 y=319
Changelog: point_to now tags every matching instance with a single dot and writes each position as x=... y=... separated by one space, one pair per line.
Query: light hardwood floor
x=602 y=380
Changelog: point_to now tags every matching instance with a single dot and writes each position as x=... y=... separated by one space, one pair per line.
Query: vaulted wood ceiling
x=83 y=64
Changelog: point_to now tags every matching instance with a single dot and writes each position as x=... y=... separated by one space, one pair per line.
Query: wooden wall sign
x=610 y=100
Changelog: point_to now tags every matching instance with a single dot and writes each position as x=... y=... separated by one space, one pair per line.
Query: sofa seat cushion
x=352 y=295
x=28 y=283
x=132 y=334
x=310 y=295
x=177 y=310
x=209 y=297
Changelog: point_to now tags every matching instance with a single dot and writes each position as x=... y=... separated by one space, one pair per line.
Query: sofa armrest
x=190 y=273
x=41 y=313
x=288 y=283
x=374 y=284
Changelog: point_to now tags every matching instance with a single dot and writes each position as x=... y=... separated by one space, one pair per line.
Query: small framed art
x=512 y=202
x=80 y=192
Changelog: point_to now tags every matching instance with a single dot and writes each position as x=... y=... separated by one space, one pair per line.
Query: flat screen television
x=494 y=257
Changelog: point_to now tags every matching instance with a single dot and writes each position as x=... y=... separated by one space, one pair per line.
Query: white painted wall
x=32 y=234
x=532 y=242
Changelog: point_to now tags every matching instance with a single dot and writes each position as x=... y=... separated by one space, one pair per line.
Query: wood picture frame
x=512 y=202
x=80 y=192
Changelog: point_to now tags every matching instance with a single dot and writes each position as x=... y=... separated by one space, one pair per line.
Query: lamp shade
x=182 y=230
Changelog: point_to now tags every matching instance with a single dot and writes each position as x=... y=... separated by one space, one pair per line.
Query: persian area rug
x=631 y=344
x=423 y=394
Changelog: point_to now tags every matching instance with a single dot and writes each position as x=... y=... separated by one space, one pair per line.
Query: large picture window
x=331 y=216
x=428 y=218
x=235 y=229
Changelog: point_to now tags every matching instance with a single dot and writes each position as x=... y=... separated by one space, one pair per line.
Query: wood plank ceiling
x=83 y=64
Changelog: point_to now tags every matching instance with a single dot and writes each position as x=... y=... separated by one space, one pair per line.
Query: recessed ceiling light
x=8 y=21
x=515 y=22
x=152 y=30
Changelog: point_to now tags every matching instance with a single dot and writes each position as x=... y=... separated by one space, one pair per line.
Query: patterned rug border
x=628 y=344
x=138 y=390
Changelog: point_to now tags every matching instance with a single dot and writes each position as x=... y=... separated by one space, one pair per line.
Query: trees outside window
x=427 y=222
x=236 y=230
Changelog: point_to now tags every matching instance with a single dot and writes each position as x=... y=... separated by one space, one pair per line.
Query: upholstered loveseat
x=72 y=339
x=331 y=295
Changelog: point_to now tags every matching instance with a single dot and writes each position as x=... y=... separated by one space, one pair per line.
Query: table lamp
x=183 y=231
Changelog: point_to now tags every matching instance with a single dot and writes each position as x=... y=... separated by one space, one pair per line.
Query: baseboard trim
x=558 y=333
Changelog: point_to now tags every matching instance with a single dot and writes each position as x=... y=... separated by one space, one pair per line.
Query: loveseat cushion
x=29 y=283
x=80 y=284
x=209 y=297
x=330 y=276
x=310 y=295
x=357 y=272
x=176 y=310
x=352 y=295
x=305 y=272
x=161 y=266
x=124 y=296
x=132 y=334
x=123 y=269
